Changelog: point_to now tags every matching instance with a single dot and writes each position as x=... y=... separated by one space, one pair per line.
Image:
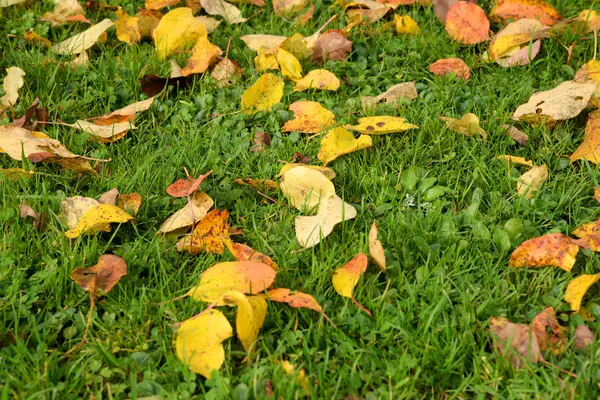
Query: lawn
x=447 y=257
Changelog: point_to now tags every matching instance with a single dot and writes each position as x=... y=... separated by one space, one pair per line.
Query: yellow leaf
x=177 y=30
x=345 y=278
x=158 y=4
x=255 y=42
x=203 y=55
x=98 y=216
x=247 y=277
x=130 y=202
x=514 y=35
x=199 y=339
x=509 y=160
x=263 y=95
x=328 y=172
x=305 y=187
x=554 y=249
x=290 y=369
x=13 y=81
x=289 y=65
x=128 y=28
x=380 y=125
x=251 y=314
x=211 y=24
x=104 y=133
x=406 y=90
x=84 y=40
x=73 y=208
x=531 y=181
x=589 y=149
x=589 y=236
x=338 y=142
x=297 y=45
x=193 y=212
x=266 y=60
x=33 y=37
x=332 y=211
x=148 y=21
x=231 y=13
x=210 y=235
x=406 y=25
x=310 y=117
x=376 y=248
x=577 y=288
x=14 y=174
x=319 y=79
x=468 y=125
x=590 y=73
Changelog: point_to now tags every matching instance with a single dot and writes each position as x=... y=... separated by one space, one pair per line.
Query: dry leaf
x=589 y=149
x=515 y=341
x=296 y=300
x=27 y=211
x=346 y=277
x=380 y=125
x=14 y=174
x=340 y=141
x=40 y=113
x=255 y=42
x=13 y=81
x=327 y=172
x=82 y=41
x=549 y=333
x=128 y=28
x=251 y=314
x=319 y=79
x=177 y=30
x=468 y=125
x=288 y=8
x=73 y=208
x=263 y=94
x=210 y=235
x=467 y=23
x=246 y=253
x=204 y=54
x=332 y=45
x=125 y=114
x=148 y=21
x=531 y=181
x=309 y=117
x=448 y=66
x=186 y=187
x=442 y=6
x=332 y=211
x=305 y=188
x=226 y=72
x=289 y=65
x=106 y=274
x=510 y=39
x=589 y=236
x=583 y=337
x=519 y=9
x=96 y=218
x=262 y=140
x=577 y=288
x=130 y=202
x=510 y=160
x=590 y=73
x=109 y=197
x=65 y=11
x=376 y=248
x=554 y=249
x=406 y=25
x=80 y=61
x=158 y=4
x=517 y=135
x=406 y=90
x=104 y=133
x=193 y=212
x=220 y=7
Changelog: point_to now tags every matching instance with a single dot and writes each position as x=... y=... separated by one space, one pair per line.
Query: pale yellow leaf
x=82 y=41
x=193 y=212
x=333 y=210
x=305 y=188
x=98 y=216
x=376 y=248
x=13 y=81
x=531 y=181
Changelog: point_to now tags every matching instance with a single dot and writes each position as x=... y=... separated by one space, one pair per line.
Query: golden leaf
x=554 y=249
x=263 y=94
x=251 y=314
x=338 y=142
x=128 y=28
x=204 y=54
x=309 y=117
x=177 y=30
x=577 y=288
x=319 y=79
x=468 y=125
x=210 y=235
x=380 y=125
x=406 y=25
x=98 y=216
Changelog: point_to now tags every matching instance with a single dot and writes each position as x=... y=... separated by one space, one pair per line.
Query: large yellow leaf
x=84 y=40
x=177 y=30
x=251 y=314
x=13 y=81
x=554 y=249
x=305 y=188
x=406 y=25
x=263 y=95
x=531 y=181
x=332 y=211
x=128 y=27
x=577 y=288
x=247 y=277
x=203 y=55
x=319 y=79
x=96 y=217
x=380 y=125
x=309 y=117
x=199 y=339
x=211 y=235
x=328 y=172
x=589 y=149
x=289 y=65
x=468 y=125
x=73 y=208
x=338 y=142
x=266 y=60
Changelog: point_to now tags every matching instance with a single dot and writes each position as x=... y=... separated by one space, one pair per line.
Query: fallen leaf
x=15 y=174
x=13 y=81
x=300 y=375
x=262 y=140
x=80 y=61
x=266 y=60
x=376 y=248
x=346 y=278
x=441 y=8
x=153 y=85
x=104 y=133
x=298 y=157
x=406 y=25
x=296 y=300
x=7 y=3
x=381 y=125
x=128 y=28
x=130 y=202
x=515 y=341
x=590 y=73
x=406 y=90
x=177 y=30
x=261 y=184
x=467 y=125
x=533 y=9
x=289 y=65
x=467 y=23
x=297 y=45
x=148 y=21
x=33 y=37
x=289 y=7
x=448 y=66
x=333 y=210
x=211 y=24
x=96 y=217
x=186 y=187
x=326 y=171
x=231 y=13
x=531 y=181
x=106 y=274
x=340 y=141
x=109 y=197
x=225 y=72
x=204 y=54
x=32 y=110
x=510 y=160
x=583 y=337
x=591 y=20
x=199 y=342
x=319 y=79
x=520 y=56
x=255 y=42
x=27 y=211
x=248 y=277
x=210 y=235
x=158 y=4
x=82 y=41
x=332 y=45
x=554 y=249
x=589 y=236
x=193 y=212
x=73 y=208
x=589 y=149
x=549 y=333
x=517 y=135
x=263 y=94
x=577 y=288
x=125 y=114
x=309 y=117
x=65 y=11
x=515 y=34
x=305 y=188
x=251 y=314
x=244 y=252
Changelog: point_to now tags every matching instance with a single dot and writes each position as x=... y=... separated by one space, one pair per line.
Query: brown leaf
x=130 y=202
x=302 y=159
x=446 y=66
x=260 y=184
x=515 y=341
x=550 y=335
x=332 y=45
x=246 y=253
x=589 y=236
x=106 y=274
x=262 y=140
x=29 y=113
x=109 y=197
x=27 y=211
x=186 y=187
x=296 y=300
x=583 y=337
x=554 y=249
x=153 y=85
x=517 y=135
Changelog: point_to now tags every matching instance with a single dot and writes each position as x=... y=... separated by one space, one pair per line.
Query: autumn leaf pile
x=510 y=35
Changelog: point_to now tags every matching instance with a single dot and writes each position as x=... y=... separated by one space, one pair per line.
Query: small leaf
x=97 y=217
x=583 y=337
x=203 y=55
x=531 y=181
x=346 y=278
x=186 y=187
x=381 y=125
x=318 y=79
x=332 y=45
x=106 y=274
x=406 y=25
x=577 y=288
x=13 y=81
x=128 y=28
x=451 y=65
x=376 y=248
x=518 y=9
x=246 y=253
x=468 y=125
x=338 y=142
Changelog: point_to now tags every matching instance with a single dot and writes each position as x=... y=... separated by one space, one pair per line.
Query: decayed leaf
x=517 y=135
x=467 y=23
x=515 y=341
x=125 y=114
x=106 y=274
x=104 y=133
x=193 y=212
x=204 y=54
x=381 y=125
x=589 y=236
x=554 y=249
x=297 y=45
x=109 y=197
x=210 y=235
x=73 y=208
x=533 y=9
x=549 y=333
x=406 y=25
x=27 y=211
x=246 y=253
x=447 y=66
x=186 y=187
x=577 y=288
x=345 y=278
x=97 y=217
x=309 y=117
x=531 y=181
x=177 y=30
x=406 y=90
x=148 y=21
x=305 y=187
x=328 y=172
x=65 y=11
x=220 y=7
x=13 y=81
x=128 y=28
x=332 y=211
x=262 y=140
x=340 y=141
x=510 y=160
x=251 y=314
x=320 y=79
x=82 y=41
x=563 y=102
x=590 y=73
x=589 y=149
x=583 y=337
x=376 y=248
x=515 y=34
x=130 y=202
x=296 y=300
x=38 y=147
x=158 y=4
x=468 y=125
x=15 y=174
x=225 y=72
x=199 y=339
x=332 y=45
x=261 y=184
x=248 y=277
x=263 y=94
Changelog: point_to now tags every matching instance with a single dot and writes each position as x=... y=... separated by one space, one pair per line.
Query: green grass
x=448 y=265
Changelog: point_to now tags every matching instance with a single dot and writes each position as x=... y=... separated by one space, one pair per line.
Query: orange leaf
x=589 y=149
x=186 y=187
x=130 y=202
x=211 y=234
x=544 y=322
x=106 y=274
x=519 y=9
x=246 y=253
x=446 y=66
x=346 y=277
x=467 y=23
x=296 y=300
x=554 y=249
x=589 y=236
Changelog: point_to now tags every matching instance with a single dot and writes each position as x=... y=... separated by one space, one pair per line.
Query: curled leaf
x=251 y=314
x=106 y=274
x=376 y=248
